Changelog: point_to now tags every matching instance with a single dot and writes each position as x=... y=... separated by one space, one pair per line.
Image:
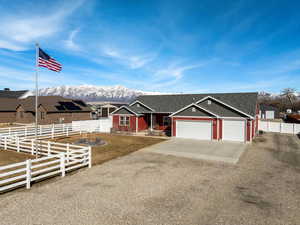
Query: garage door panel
x=194 y=129
x=234 y=130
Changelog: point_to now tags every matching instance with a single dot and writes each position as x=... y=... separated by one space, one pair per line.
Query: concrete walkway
x=228 y=152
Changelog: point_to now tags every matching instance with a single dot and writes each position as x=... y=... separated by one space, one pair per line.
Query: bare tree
x=289 y=94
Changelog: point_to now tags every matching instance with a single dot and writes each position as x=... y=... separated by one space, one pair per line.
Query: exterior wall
x=49 y=118
x=130 y=128
x=214 y=124
x=7 y=117
x=143 y=123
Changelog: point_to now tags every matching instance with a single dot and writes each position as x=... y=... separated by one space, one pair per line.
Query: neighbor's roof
x=54 y=104
x=245 y=102
x=8 y=104
x=11 y=94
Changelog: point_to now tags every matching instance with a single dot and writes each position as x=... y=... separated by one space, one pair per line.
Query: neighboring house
x=104 y=109
x=8 y=104
x=268 y=112
x=7 y=93
x=52 y=109
x=227 y=116
x=8 y=110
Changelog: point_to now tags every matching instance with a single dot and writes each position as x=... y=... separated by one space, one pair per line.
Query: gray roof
x=245 y=102
x=11 y=94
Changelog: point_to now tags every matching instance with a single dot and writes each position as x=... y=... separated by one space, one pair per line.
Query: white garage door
x=194 y=129
x=234 y=130
x=269 y=114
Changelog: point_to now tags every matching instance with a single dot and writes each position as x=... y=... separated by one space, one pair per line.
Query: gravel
x=148 y=188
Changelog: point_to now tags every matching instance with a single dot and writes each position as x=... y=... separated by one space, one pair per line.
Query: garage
x=201 y=130
x=234 y=130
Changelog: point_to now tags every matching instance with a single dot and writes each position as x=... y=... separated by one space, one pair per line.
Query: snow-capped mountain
x=93 y=93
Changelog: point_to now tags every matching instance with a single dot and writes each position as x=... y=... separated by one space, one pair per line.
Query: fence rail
x=57 y=158
x=287 y=128
x=43 y=131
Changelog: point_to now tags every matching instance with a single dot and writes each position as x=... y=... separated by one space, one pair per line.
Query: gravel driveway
x=149 y=188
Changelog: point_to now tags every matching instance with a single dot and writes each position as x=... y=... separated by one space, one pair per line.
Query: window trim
x=125 y=119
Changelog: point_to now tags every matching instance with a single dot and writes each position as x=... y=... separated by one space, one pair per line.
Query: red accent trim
x=220 y=129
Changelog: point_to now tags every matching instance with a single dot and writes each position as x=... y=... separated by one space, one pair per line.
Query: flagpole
x=36 y=93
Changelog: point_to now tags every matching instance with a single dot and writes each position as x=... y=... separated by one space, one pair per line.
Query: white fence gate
x=101 y=125
x=287 y=128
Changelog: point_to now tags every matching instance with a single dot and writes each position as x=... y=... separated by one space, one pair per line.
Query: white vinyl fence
x=100 y=125
x=58 y=158
x=287 y=128
x=43 y=131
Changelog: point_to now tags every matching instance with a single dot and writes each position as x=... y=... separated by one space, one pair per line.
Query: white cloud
x=176 y=70
x=17 y=32
x=130 y=60
x=70 y=43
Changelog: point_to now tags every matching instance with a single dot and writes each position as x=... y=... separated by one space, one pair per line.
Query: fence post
x=28 y=173
x=48 y=148
x=52 y=135
x=67 y=131
x=90 y=156
x=62 y=164
x=32 y=146
x=26 y=131
x=280 y=127
x=9 y=131
x=18 y=144
x=5 y=143
x=80 y=131
x=68 y=151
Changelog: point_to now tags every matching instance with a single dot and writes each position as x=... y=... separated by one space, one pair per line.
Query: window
x=166 y=121
x=124 y=120
x=193 y=109
x=208 y=102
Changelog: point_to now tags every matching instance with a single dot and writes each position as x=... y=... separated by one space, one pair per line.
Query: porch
x=152 y=124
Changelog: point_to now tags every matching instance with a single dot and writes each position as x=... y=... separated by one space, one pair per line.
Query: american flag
x=46 y=61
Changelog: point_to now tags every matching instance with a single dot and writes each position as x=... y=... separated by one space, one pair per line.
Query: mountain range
x=92 y=93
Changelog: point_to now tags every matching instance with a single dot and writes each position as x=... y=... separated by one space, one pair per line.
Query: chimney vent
x=6 y=89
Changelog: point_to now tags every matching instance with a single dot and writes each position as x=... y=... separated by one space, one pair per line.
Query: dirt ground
x=149 y=188
x=116 y=145
x=8 y=157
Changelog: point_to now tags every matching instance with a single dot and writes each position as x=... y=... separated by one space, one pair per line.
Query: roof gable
x=220 y=108
x=194 y=110
x=124 y=110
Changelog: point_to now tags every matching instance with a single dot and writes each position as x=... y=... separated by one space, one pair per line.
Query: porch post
x=151 y=122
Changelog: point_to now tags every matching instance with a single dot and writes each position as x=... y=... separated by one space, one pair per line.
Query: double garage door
x=232 y=130
x=194 y=129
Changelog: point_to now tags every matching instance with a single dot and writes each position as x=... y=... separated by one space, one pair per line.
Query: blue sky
x=166 y=46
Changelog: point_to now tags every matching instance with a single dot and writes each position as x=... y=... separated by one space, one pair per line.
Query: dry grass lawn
x=117 y=145
x=8 y=157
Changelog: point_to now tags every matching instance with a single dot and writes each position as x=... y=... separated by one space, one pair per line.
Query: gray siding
x=141 y=109
x=219 y=109
x=123 y=111
x=198 y=112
